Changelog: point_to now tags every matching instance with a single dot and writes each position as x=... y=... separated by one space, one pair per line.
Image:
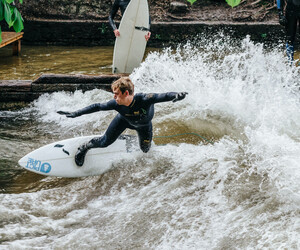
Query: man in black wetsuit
x=122 y=5
x=290 y=20
x=135 y=112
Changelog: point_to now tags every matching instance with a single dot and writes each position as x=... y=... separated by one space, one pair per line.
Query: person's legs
x=145 y=137
x=291 y=29
x=116 y=127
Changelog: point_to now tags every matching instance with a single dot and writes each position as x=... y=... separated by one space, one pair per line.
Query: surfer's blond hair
x=124 y=83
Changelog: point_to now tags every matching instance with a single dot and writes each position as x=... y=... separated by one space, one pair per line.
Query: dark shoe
x=80 y=155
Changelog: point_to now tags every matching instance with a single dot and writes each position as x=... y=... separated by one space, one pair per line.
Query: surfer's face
x=121 y=98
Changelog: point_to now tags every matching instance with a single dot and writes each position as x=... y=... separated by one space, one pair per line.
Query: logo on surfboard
x=37 y=165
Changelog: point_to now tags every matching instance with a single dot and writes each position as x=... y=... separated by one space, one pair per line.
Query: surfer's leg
x=291 y=29
x=290 y=52
x=145 y=137
x=116 y=127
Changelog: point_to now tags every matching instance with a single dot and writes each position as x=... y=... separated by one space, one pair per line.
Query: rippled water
x=242 y=192
x=37 y=60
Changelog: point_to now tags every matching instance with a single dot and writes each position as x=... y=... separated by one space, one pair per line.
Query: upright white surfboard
x=58 y=158
x=131 y=44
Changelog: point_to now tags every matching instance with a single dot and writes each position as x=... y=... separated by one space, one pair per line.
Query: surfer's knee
x=101 y=142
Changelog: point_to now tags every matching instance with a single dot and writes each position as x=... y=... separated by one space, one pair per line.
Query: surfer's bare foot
x=80 y=155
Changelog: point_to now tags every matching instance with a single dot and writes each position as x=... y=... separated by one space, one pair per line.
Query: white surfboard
x=58 y=158
x=131 y=44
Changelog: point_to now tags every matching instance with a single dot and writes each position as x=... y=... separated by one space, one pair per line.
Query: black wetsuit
x=137 y=116
x=292 y=15
x=293 y=18
x=122 y=5
x=118 y=4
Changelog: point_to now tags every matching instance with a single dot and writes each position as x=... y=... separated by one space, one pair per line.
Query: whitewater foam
x=242 y=192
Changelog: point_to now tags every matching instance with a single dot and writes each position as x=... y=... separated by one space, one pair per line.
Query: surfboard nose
x=22 y=161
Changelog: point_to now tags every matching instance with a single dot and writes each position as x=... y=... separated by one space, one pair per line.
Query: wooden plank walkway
x=14 y=38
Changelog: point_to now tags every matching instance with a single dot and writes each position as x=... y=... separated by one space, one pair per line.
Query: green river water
x=37 y=60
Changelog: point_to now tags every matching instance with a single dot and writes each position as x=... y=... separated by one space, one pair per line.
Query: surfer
x=122 y=5
x=135 y=112
x=289 y=20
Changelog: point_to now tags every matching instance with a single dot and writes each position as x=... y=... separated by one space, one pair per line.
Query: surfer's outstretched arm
x=90 y=109
x=165 y=97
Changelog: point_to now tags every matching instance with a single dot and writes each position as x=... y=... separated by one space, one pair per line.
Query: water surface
x=37 y=60
x=241 y=192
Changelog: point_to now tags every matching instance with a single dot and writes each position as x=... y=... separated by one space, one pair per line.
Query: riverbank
x=98 y=33
x=160 y=11
x=85 y=22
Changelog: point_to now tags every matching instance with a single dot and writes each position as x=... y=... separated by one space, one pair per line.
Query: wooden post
x=16 y=48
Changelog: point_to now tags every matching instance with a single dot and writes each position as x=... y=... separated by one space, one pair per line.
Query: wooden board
x=10 y=37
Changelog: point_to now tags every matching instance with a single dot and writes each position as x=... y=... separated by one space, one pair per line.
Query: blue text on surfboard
x=37 y=165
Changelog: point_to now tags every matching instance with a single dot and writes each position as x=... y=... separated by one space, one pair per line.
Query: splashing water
x=242 y=192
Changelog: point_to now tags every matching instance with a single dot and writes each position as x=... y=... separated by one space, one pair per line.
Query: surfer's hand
x=179 y=96
x=117 y=32
x=67 y=114
x=147 y=37
x=282 y=19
